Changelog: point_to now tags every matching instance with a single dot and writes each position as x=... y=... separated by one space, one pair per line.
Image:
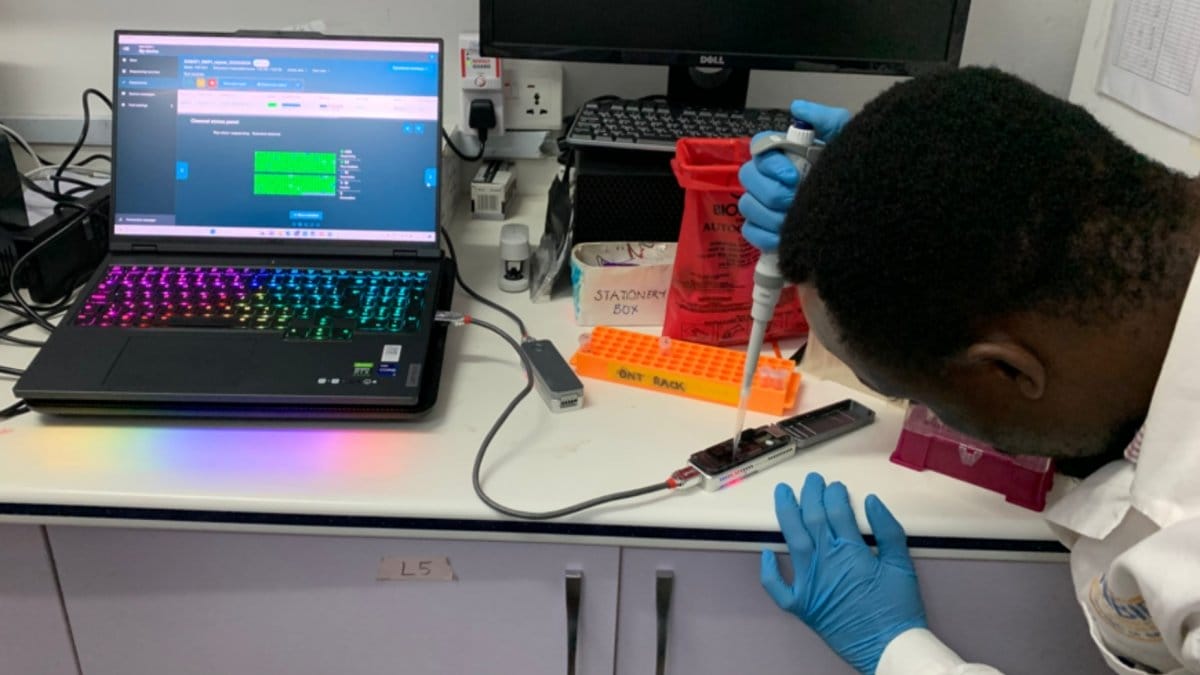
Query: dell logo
x=712 y=60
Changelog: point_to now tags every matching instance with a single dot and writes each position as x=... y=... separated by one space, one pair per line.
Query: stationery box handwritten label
x=621 y=283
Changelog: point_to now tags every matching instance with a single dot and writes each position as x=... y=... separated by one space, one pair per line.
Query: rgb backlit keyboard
x=302 y=304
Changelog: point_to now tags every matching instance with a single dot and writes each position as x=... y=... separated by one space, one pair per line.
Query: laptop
x=274 y=246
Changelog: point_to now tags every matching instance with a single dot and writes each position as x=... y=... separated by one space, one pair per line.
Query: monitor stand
x=708 y=87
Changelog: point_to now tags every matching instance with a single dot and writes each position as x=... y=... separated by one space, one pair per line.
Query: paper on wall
x=1152 y=63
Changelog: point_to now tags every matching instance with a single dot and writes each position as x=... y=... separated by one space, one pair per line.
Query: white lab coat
x=1133 y=528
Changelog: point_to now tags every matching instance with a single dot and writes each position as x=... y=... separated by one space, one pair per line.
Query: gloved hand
x=856 y=601
x=770 y=179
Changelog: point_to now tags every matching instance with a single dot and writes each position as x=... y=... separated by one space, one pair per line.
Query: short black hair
x=970 y=194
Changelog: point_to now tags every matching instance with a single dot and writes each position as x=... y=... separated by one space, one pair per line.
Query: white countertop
x=416 y=476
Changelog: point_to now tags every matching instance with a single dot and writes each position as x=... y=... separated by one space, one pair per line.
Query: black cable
x=78 y=182
x=461 y=155
x=98 y=157
x=18 y=408
x=476 y=470
x=83 y=132
x=78 y=191
x=17 y=309
x=471 y=292
x=30 y=317
x=47 y=313
x=17 y=325
x=52 y=196
x=20 y=342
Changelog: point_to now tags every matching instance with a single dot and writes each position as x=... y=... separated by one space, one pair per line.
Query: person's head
x=987 y=249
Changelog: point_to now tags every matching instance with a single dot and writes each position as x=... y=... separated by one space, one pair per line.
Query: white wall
x=1160 y=141
x=51 y=49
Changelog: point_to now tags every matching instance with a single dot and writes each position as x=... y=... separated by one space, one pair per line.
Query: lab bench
x=140 y=546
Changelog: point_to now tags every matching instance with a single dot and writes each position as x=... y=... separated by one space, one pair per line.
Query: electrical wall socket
x=479 y=78
x=533 y=95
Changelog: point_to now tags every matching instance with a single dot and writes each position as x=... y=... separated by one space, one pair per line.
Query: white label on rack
x=400 y=568
x=391 y=354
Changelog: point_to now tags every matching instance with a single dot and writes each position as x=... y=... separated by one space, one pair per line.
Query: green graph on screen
x=295 y=174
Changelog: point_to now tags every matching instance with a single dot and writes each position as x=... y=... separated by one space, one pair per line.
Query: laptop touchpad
x=183 y=362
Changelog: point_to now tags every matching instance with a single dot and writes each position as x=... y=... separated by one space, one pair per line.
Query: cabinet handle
x=664 y=585
x=574 y=591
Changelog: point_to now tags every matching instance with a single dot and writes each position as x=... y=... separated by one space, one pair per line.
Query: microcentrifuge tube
x=768 y=375
x=774 y=377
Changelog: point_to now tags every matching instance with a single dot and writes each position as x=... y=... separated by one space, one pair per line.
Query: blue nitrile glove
x=856 y=601
x=770 y=179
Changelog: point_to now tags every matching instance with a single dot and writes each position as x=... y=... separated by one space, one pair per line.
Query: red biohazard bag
x=709 y=300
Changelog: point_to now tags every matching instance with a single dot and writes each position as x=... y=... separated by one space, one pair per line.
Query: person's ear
x=1012 y=361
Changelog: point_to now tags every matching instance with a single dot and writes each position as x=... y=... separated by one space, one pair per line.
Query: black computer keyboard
x=657 y=125
x=302 y=304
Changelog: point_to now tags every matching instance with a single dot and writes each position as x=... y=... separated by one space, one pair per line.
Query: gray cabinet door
x=146 y=602
x=33 y=632
x=1018 y=617
x=719 y=619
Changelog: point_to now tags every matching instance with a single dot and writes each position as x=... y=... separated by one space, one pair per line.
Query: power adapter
x=12 y=193
x=482 y=117
x=552 y=377
x=8 y=258
x=64 y=263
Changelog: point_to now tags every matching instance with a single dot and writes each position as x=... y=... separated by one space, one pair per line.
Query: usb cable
x=686 y=477
x=471 y=291
x=555 y=383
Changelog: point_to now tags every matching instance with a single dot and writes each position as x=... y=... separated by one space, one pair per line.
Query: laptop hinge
x=414 y=253
x=145 y=248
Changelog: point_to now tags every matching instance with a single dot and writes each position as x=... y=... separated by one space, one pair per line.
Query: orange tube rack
x=685 y=369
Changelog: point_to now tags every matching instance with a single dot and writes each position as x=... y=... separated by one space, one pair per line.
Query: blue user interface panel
x=277 y=138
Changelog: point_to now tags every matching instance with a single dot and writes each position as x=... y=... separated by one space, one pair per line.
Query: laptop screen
x=276 y=138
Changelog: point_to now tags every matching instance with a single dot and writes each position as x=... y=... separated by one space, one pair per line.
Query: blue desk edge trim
x=491 y=526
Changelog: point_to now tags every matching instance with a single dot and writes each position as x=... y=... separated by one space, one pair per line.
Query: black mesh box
x=623 y=195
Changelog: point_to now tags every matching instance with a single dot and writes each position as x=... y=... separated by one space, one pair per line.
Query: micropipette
x=768 y=281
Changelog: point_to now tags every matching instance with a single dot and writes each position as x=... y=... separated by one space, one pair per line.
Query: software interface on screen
x=239 y=137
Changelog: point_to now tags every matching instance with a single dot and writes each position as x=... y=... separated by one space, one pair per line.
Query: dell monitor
x=711 y=45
